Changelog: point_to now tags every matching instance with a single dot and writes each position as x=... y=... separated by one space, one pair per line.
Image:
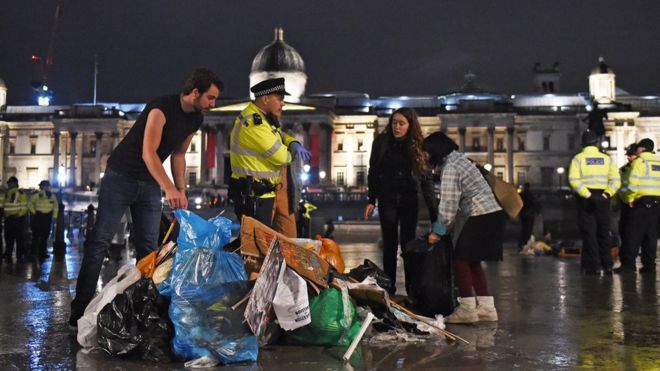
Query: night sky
x=147 y=47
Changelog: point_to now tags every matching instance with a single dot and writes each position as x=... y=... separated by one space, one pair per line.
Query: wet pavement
x=551 y=318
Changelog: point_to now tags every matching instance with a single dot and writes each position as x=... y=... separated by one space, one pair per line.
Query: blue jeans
x=117 y=193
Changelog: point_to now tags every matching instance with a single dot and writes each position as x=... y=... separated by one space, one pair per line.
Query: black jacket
x=377 y=181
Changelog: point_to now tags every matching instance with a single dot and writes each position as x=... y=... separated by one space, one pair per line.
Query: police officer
x=44 y=207
x=305 y=208
x=643 y=198
x=16 y=206
x=595 y=179
x=624 y=172
x=258 y=150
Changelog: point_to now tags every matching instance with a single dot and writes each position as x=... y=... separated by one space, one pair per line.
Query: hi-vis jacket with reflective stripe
x=624 y=172
x=40 y=202
x=644 y=177
x=592 y=169
x=16 y=203
x=258 y=150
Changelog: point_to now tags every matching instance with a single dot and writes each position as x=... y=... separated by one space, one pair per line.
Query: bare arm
x=152 y=135
x=178 y=163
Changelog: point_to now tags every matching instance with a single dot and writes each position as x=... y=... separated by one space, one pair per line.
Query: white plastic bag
x=126 y=276
x=291 y=303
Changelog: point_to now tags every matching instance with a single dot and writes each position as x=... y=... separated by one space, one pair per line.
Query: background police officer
x=43 y=207
x=258 y=150
x=643 y=198
x=16 y=206
x=595 y=179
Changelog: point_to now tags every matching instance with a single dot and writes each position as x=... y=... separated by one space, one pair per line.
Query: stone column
x=491 y=145
x=3 y=148
x=72 y=168
x=325 y=150
x=56 y=160
x=306 y=126
x=203 y=168
x=461 y=139
x=509 y=154
x=99 y=147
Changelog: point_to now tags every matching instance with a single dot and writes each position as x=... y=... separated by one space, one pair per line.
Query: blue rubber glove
x=439 y=228
x=298 y=150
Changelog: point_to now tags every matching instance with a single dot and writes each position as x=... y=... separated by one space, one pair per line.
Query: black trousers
x=398 y=222
x=641 y=229
x=594 y=223
x=526 y=229
x=40 y=231
x=258 y=208
x=15 y=233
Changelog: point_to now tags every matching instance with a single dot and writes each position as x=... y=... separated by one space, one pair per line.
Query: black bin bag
x=370 y=269
x=429 y=276
x=136 y=324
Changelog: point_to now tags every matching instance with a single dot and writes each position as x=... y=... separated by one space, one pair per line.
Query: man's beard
x=197 y=106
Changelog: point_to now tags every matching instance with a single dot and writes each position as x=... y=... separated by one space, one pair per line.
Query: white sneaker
x=466 y=312
x=486 y=309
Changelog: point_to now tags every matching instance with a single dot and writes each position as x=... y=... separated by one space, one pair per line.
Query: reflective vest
x=2 y=198
x=624 y=172
x=644 y=178
x=16 y=203
x=592 y=169
x=42 y=203
x=258 y=149
x=309 y=207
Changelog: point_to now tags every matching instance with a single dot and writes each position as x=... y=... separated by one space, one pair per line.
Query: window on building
x=360 y=177
x=547 y=174
x=522 y=177
x=12 y=147
x=499 y=174
x=546 y=143
x=500 y=145
x=360 y=145
x=571 y=141
x=551 y=87
x=521 y=144
x=192 y=178
x=92 y=147
x=340 y=178
x=33 y=147
x=340 y=145
x=193 y=145
x=476 y=144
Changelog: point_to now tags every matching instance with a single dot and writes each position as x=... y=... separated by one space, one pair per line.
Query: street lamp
x=488 y=167
x=560 y=172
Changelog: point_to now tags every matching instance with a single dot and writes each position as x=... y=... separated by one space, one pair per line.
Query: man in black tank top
x=134 y=176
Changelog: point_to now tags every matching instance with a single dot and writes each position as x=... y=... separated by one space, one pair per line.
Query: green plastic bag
x=330 y=325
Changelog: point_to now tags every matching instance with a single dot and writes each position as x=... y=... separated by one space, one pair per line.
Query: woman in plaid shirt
x=466 y=200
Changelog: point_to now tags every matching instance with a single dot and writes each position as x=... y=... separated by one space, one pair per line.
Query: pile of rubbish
x=194 y=301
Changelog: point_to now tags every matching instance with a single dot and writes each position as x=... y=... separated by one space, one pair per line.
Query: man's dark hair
x=438 y=145
x=201 y=79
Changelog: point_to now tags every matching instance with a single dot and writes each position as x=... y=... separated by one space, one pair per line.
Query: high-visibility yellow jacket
x=41 y=202
x=592 y=169
x=624 y=173
x=3 y=194
x=16 y=203
x=309 y=207
x=257 y=148
x=644 y=178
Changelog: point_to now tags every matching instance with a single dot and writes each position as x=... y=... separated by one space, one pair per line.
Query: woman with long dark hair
x=396 y=169
x=469 y=212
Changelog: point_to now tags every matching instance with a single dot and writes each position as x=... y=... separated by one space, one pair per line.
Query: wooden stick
x=169 y=231
x=448 y=334
x=240 y=302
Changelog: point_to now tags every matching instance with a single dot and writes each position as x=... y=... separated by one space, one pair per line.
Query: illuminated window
x=476 y=144
x=193 y=145
x=340 y=178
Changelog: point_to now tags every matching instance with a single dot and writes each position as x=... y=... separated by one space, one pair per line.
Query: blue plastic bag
x=195 y=231
x=204 y=283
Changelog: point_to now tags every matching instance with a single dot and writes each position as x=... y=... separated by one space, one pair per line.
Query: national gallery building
x=527 y=137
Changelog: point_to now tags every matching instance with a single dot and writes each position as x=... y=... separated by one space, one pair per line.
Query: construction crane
x=44 y=94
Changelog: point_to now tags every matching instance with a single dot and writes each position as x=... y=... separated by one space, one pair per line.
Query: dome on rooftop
x=278 y=56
